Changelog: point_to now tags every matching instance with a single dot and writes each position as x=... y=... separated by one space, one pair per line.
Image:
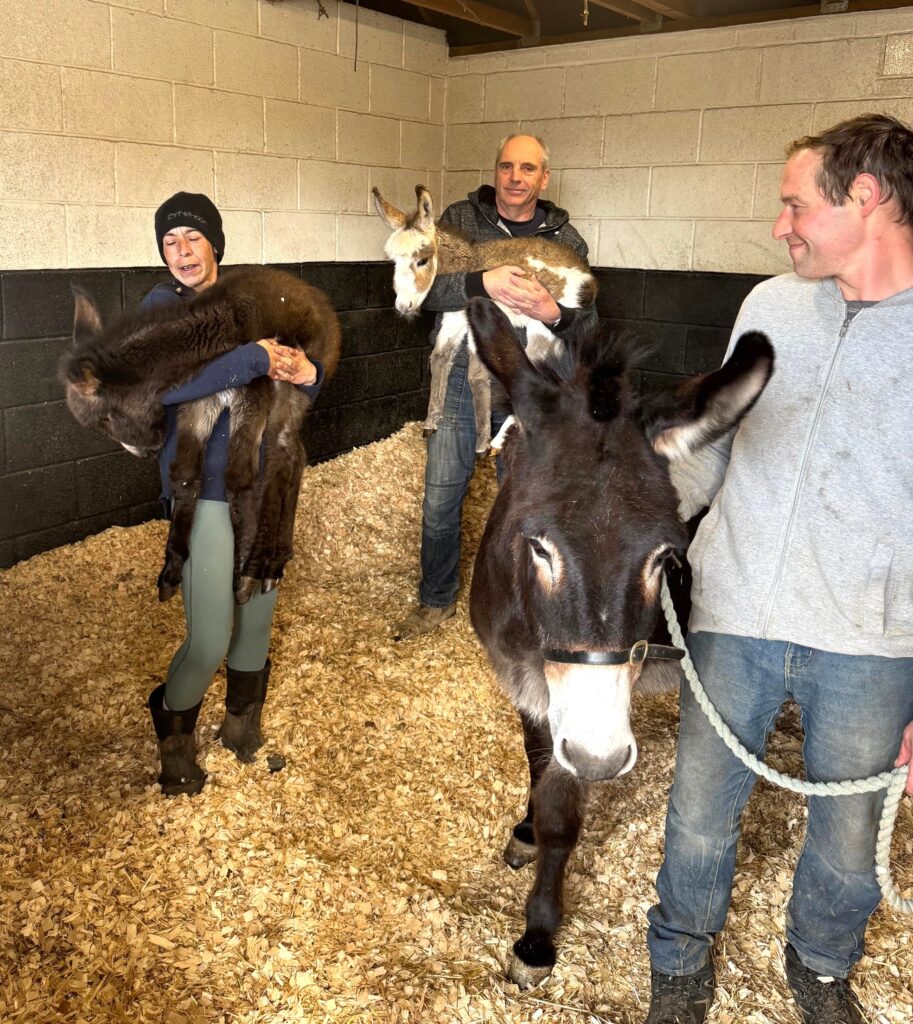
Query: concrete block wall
x=667 y=149
x=109 y=106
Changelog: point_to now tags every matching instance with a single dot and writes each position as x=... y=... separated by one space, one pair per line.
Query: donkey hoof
x=245 y=589
x=267 y=585
x=517 y=854
x=524 y=976
x=533 y=959
x=167 y=590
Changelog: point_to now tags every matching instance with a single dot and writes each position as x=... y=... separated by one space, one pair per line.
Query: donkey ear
x=497 y=345
x=395 y=218
x=424 y=217
x=79 y=377
x=86 y=318
x=700 y=410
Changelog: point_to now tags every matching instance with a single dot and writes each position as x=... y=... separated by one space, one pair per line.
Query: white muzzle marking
x=589 y=711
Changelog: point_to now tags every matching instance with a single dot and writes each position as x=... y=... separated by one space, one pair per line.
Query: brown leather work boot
x=423 y=620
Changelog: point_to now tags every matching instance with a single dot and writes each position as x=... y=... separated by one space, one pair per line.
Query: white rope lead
x=893 y=781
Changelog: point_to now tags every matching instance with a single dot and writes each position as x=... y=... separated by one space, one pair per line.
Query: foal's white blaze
x=410 y=283
x=590 y=708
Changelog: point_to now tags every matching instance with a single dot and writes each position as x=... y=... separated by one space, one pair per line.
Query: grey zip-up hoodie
x=808 y=535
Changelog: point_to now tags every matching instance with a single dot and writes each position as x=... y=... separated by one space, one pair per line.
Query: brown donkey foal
x=565 y=590
x=115 y=378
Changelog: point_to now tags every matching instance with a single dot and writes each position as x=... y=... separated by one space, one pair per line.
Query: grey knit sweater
x=811 y=498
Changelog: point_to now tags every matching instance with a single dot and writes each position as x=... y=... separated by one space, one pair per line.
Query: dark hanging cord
x=321 y=11
x=355 y=56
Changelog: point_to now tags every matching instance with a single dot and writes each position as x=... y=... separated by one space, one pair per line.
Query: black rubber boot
x=177 y=746
x=244 y=697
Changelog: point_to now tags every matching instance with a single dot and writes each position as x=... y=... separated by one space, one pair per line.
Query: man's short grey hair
x=523 y=135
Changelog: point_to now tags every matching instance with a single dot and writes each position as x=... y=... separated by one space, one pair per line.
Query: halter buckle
x=638 y=653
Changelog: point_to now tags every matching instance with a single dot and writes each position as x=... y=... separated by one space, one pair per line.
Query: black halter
x=637 y=654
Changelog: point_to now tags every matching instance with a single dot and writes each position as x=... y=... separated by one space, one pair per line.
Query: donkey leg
x=559 y=801
x=294 y=459
x=249 y=414
x=193 y=428
x=537 y=741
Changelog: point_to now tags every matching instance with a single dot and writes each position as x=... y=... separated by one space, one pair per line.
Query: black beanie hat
x=190 y=210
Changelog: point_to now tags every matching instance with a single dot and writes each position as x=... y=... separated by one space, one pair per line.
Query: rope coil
x=893 y=780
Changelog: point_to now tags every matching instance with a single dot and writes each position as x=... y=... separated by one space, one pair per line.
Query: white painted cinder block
x=645 y=244
x=298 y=22
x=457 y=185
x=260 y=67
x=221 y=120
x=465 y=99
x=618 y=87
x=110 y=236
x=422 y=145
x=299 y=129
x=147 y=175
x=30 y=96
x=424 y=48
x=828 y=114
x=379 y=39
x=399 y=93
x=366 y=139
x=330 y=81
x=898 y=55
x=843 y=69
x=397 y=186
x=747 y=245
x=766 y=205
x=518 y=94
x=235 y=15
x=721 y=190
x=55 y=169
x=181 y=52
x=572 y=141
x=606 y=192
x=436 y=111
x=475 y=146
x=116 y=106
x=644 y=139
x=360 y=238
x=243 y=235
x=726 y=79
x=752 y=133
x=334 y=187
x=21 y=224
x=74 y=32
x=299 y=237
x=249 y=182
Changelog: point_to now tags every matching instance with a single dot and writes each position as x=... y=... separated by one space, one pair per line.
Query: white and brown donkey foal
x=565 y=592
x=421 y=249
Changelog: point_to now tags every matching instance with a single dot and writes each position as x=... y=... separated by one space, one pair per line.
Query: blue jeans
x=854 y=710
x=449 y=467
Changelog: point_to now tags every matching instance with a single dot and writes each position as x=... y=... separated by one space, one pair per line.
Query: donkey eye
x=538 y=549
x=422 y=262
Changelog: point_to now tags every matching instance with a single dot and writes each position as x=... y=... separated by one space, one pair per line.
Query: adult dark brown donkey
x=566 y=584
x=115 y=379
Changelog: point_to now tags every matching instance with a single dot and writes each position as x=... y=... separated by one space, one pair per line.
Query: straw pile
x=362 y=883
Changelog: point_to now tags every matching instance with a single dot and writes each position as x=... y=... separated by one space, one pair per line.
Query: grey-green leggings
x=216 y=626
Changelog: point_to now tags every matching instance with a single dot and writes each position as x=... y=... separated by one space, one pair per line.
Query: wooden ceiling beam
x=480 y=14
x=636 y=11
x=745 y=18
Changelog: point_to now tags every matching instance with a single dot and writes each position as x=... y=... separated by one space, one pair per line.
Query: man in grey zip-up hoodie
x=512 y=207
x=803 y=575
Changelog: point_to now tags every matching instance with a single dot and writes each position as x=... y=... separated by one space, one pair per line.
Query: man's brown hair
x=875 y=144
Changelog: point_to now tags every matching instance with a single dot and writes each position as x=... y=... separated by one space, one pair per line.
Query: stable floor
x=363 y=882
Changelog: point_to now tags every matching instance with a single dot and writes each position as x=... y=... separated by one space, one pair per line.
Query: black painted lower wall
x=60 y=483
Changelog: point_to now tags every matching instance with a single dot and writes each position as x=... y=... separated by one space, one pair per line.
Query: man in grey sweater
x=511 y=207
x=803 y=576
